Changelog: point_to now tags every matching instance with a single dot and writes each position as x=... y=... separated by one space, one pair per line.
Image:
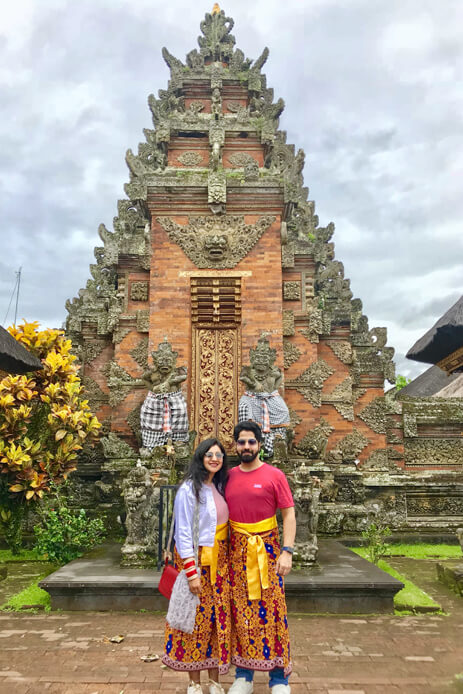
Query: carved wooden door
x=215 y=386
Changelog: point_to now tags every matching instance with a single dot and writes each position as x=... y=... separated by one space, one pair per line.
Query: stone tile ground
x=66 y=653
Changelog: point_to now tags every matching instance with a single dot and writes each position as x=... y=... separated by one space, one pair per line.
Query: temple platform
x=340 y=583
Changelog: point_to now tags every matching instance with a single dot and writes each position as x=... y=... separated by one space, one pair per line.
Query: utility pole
x=18 y=280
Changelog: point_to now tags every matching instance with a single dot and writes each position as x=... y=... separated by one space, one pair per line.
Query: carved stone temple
x=214 y=245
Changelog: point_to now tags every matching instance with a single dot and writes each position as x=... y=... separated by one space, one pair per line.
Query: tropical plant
x=64 y=534
x=44 y=421
x=401 y=382
x=375 y=535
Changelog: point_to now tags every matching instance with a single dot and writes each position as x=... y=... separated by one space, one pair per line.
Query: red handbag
x=167 y=580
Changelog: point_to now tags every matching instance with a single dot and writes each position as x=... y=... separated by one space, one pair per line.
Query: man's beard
x=247 y=456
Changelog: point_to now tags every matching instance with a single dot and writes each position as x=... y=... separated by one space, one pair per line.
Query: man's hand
x=195 y=585
x=284 y=563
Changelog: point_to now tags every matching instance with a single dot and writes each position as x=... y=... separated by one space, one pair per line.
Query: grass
x=24 y=555
x=418 y=551
x=410 y=598
x=32 y=595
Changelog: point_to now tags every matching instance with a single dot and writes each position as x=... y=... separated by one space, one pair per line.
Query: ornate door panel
x=215 y=383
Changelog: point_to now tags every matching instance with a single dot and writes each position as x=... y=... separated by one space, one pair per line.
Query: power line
x=16 y=284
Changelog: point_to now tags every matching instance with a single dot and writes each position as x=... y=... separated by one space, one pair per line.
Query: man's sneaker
x=281 y=689
x=241 y=686
x=194 y=688
x=215 y=688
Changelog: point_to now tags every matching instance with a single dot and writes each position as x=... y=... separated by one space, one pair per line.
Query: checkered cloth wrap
x=270 y=412
x=163 y=416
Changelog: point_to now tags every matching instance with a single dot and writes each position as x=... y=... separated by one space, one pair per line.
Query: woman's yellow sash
x=209 y=555
x=256 y=555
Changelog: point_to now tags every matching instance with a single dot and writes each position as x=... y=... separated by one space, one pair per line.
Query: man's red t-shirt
x=256 y=495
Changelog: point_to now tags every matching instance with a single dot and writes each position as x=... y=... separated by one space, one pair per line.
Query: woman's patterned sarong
x=208 y=647
x=260 y=636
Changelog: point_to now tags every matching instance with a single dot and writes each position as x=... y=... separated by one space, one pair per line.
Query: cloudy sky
x=373 y=92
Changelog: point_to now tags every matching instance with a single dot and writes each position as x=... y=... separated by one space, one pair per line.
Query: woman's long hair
x=197 y=473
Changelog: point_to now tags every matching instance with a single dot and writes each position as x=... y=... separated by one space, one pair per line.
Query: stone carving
x=370 y=352
x=310 y=382
x=291 y=353
x=140 y=353
x=410 y=425
x=216 y=141
x=143 y=321
x=133 y=420
x=139 y=291
x=341 y=398
x=342 y=349
x=190 y=158
x=287 y=256
x=438 y=452
x=164 y=414
x=216 y=242
x=306 y=492
x=459 y=534
x=217 y=192
x=374 y=415
x=291 y=291
x=314 y=443
x=318 y=325
x=379 y=461
x=251 y=171
x=261 y=401
x=141 y=520
x=90 y=350
x=241 y=112
x=288 y=323
x=93 y=392
x=438 y=502
x=120 y=382
x=114 y=447
x=216 y=103
x=119 y=334
x=217 y=42
x=348 y=448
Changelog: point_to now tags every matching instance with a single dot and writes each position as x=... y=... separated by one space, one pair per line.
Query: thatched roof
x=453 y=389
x=431 y=382
x=444 y=338
x=14 y=358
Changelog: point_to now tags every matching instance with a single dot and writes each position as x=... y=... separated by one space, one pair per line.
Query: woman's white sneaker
x=194 y=688
x=215 y=688
x=241 y=686
x=281 y=689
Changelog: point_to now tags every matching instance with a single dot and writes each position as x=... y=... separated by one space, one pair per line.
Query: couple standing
x=241 y=618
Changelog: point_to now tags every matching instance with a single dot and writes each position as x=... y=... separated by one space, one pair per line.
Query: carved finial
x=216 y=8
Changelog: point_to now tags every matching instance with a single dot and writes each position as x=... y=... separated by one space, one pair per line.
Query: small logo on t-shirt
x=258 y=486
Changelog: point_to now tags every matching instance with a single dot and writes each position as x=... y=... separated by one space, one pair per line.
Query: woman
x=208 y=647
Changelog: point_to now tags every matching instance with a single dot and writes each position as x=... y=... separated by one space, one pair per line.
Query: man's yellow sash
x=209 y=555
x=256 y=555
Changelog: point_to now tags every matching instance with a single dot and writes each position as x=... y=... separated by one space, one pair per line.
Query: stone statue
x=306 y=494
x=164 y=413
x=261 y=402
x=140 y=543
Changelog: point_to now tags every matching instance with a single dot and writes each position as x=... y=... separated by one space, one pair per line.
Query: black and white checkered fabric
x=152 y=419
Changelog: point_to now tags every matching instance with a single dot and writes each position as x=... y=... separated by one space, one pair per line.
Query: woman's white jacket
x=184 y=507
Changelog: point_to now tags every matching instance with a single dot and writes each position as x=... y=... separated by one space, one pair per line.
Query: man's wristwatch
x=288 y=549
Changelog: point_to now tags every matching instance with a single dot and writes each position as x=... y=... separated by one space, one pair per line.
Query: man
x=254 y=492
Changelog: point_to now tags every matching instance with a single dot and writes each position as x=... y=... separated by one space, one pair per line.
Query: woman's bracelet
x=192 y=576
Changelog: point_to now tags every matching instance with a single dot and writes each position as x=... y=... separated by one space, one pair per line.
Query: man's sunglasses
x=243 y=442
x=210 y=455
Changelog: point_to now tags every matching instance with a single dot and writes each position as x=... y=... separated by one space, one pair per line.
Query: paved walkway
x=67 y=653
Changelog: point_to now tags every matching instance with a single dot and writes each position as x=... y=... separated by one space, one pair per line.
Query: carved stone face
x=261 y=361
x=215 y=246
x=164 y=363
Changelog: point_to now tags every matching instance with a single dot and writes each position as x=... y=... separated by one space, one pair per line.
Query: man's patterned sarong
x=208 y=647
x=260 y=636
x=163 y=416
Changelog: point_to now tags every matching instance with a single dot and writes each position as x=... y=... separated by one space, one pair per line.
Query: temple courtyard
x=71 y=652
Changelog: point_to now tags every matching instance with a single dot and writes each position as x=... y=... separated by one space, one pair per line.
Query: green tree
x=44 y=421
x=401 y=382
